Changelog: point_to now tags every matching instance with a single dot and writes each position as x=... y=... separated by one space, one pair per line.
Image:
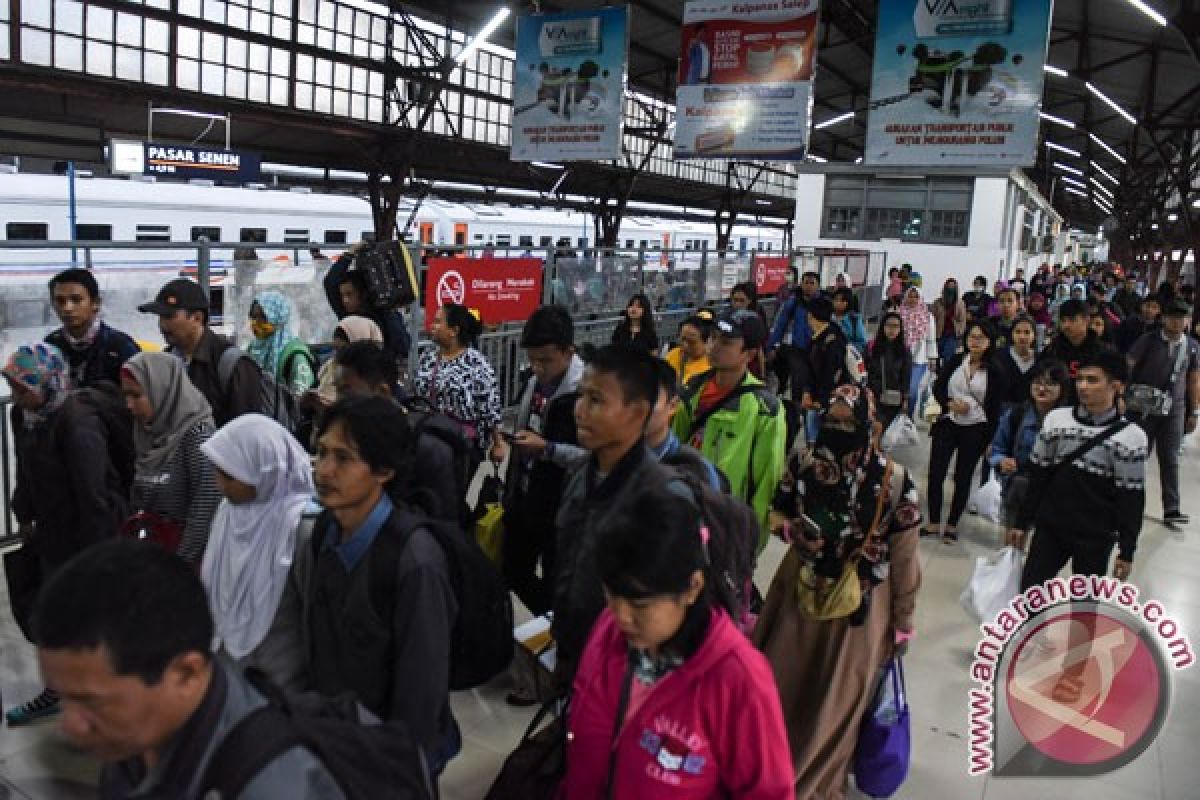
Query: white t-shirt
x=972 y=390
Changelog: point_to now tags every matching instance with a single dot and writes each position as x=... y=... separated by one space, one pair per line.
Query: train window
x=643 y=244
x=503 y=239
x=27 y=231
x=335 y=237
x=629 y=244
x=252 y=235
x=525 y=241
x=545 y=241
x=368 y=236
x=208 y=232
x=295 y=236
x=93 y=233
x=152 y=233
x=479 y=237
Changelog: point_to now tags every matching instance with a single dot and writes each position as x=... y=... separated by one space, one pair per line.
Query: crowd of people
x=222 y=543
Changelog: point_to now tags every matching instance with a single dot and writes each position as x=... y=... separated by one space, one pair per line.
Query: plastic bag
x=902 y=432
x=986 y=500
x=994 y=583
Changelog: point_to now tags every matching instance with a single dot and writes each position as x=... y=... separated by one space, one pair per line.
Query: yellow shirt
x=694 y=367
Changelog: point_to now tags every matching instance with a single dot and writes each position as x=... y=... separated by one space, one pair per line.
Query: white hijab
x=250 y=547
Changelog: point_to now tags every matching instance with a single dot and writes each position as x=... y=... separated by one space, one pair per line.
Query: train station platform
x=37 y=763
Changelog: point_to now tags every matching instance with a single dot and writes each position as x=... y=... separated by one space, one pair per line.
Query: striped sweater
x=185 y=491
x=1100 y=494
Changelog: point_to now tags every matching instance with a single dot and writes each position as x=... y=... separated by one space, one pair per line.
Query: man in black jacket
x=1134 y=327
x=1075 y=342
x=825 y=369
x=94 y=351
x=182 y=309
x=545 y=423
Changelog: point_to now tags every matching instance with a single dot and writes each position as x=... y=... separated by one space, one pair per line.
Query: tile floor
x=36 y=763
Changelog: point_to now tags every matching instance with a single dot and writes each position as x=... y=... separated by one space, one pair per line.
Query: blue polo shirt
x=352 y=550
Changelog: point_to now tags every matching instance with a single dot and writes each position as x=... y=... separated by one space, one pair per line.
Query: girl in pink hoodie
x=671 y=700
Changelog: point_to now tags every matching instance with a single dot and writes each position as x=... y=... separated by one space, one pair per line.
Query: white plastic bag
x=994 y=583
x=902 y=432
x=987 y=500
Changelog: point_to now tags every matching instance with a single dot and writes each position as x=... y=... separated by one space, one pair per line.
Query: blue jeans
x=947 y=347
x=812 y=425
x=914 y=388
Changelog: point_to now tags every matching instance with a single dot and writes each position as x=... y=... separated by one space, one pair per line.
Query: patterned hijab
x=42 y=368
x=915 y=319
x=178 y=407
x=267 y=351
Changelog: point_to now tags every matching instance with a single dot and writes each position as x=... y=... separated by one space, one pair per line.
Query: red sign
x=500 y=289
x=770 y=272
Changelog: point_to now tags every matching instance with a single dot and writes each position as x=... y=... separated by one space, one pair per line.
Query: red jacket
x=712 y=728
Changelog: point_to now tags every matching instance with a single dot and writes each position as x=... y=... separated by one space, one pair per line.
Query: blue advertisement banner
x=569 y=85
x=957 y=84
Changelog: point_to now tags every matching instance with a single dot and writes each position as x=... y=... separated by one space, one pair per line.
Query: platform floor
x=36 y=763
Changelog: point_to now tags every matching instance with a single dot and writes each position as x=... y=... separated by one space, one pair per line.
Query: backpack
x=275 y=400
x=366 y=761
x=426 y=421
x=105 y=398
x=481 y=641
x=387 y=268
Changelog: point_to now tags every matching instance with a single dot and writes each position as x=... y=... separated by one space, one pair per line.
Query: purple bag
x=882 y=753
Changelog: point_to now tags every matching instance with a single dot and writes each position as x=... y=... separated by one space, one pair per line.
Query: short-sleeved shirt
x=1154 y=362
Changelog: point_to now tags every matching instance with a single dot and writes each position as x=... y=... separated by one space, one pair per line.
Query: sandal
x=950 y=537
x=1068 y=689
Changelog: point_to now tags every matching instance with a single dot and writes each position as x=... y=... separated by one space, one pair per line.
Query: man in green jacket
x=733 y=419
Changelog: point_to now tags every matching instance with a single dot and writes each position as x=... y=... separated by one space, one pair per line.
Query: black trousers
x=969 y=442
x=526 y=541
x=1051 y=550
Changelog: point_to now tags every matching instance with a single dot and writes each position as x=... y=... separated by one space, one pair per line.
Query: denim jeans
x=914 y=389
x=947 y=347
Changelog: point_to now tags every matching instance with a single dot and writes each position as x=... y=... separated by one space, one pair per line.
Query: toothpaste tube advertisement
x=569 y=85
x=957 y=83
x=745 y=79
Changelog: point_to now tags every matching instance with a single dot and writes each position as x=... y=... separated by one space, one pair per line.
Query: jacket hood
x=571 y=379
x=719 y=641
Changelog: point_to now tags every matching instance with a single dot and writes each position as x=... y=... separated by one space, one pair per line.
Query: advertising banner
x=745 y=79
x=500 y=289
x=569 y=85
x=770 y=272
x=957 y=84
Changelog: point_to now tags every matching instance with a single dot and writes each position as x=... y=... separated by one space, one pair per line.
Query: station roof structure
x=1124 y=95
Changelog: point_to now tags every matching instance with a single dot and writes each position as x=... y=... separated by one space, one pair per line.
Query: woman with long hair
x=889 y=368
x=849 y=320
x=854 y=513
x=667 y=648
x=920 y=337
x=459 y=382
x=636 y=327
x=970 y=389
x=950 y=315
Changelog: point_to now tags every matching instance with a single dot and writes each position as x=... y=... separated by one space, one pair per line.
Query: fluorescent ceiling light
x=1066 y=123
x=1105 y=173
x=1102 y=189
x=1104 y=202
x=1053 y=70
x=1073 y=190
x=1072 y=181
x=1096 y=201
x=495 y=22
x=548 y=165
x=1061 y=149
x=762 y=202
x=1172 y=217
x=1111 y=103
x=835 y=120
x=1108 y=149
x=1150 y=12
x=1068 y=168
x=1196 y=204
x=1154 y=226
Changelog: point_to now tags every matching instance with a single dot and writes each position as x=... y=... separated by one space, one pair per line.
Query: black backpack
x=367 y=761
x=427 y=421
x=481 y=641
x=275 y=400
x=391 y=280
x=105 y=398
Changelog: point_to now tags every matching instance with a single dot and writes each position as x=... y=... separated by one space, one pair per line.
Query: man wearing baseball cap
x=1164 y=397
x=182 y=309
x=734 y=420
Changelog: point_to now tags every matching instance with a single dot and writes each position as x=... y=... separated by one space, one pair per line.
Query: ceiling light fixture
x=1073 y=190
x=1053 y=70
x=495 y=22
x=1150 y=12
x=1111 y=103
x=1073 y=182
x=1105 y=173
x=1100 y=187
x=829 y=123
x=1066 y=123
x=1062 y=149
x=1068 y=168
x=1108 y=149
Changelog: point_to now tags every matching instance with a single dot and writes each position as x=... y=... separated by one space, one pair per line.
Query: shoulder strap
x=735 y=393
x=1094 y=441
x=226 y=364
x=253 y=743
x=618 y=721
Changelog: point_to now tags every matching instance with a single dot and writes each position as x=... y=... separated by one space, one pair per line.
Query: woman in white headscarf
x=266 y=479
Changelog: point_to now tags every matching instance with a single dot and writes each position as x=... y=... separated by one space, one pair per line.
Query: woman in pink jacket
x=671 y=700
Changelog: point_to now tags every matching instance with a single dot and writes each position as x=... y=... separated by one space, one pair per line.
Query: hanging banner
x=770 y=272
x=569 y=85
x=957 y=84
x=745 y=79
x=500 y=289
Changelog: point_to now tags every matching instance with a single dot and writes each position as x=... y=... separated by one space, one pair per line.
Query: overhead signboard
x=957 y=84
x=569 y=85
x=745 y=79
x=180 y=161
x=500 y=289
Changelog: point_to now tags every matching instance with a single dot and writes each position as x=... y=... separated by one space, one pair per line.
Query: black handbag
x=535 y=769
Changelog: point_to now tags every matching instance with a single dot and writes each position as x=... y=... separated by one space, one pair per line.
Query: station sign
x=957 y=84
x=745 y=79
x=569 y=85
x=499 y=289
x=185 y=162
